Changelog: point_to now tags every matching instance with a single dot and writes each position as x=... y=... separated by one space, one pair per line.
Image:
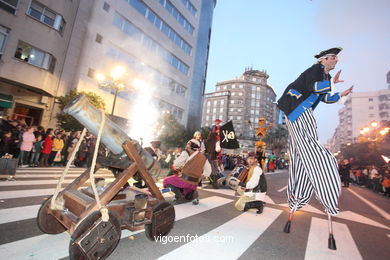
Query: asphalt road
x=211 y=230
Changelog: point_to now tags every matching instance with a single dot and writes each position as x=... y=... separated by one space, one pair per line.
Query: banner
x=228 y=136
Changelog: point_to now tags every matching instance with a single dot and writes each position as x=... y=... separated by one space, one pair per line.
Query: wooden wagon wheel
x=93 y=238
x=163 y=220
x=46 y=222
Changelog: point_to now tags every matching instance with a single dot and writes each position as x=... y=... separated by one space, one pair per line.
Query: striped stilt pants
x=312 y=167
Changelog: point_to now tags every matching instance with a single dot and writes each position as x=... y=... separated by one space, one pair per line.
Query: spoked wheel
x=163 y=220
x=93 y=238
x=46 y=222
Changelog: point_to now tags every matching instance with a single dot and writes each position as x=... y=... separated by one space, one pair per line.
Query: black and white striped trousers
x=312 y=167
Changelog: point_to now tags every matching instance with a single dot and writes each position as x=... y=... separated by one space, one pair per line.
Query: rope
x=103 y=210
x=58 y=204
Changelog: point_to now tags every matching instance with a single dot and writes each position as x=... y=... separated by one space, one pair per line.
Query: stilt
x=331 y=240
x=288 y=224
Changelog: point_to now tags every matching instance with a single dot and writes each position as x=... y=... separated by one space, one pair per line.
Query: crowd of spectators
x=36 y=146
x=375 y=178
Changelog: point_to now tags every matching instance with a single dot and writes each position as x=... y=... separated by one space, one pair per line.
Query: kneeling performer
x=253 y=190
x=189 y=167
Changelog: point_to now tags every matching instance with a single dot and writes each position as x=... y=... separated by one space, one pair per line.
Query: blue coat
x=311 y=87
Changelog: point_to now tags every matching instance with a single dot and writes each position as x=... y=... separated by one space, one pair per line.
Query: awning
x=6 y=101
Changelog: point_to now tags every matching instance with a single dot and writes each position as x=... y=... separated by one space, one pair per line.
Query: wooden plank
x=134 y=156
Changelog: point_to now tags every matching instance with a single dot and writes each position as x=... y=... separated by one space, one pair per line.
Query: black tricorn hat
x=333 y=51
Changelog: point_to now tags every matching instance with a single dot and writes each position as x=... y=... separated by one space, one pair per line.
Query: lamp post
x=112 y=82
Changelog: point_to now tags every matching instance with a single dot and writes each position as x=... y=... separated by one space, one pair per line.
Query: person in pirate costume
x=185 y=190
x=252 y=192
x=195 y=144
x=313 y=167
x=217 y=130
x=214 y=153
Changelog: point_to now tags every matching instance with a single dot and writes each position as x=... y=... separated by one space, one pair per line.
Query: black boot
x=192 y=195
x=259 y=206
x=178 y=192
x=249 y=205
x=214 y=180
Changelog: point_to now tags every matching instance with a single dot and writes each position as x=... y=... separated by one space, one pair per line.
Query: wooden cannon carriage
x=93 y=236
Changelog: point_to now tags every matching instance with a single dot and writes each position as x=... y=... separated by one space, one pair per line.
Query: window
x=370 y=108
x=3 y=39
x=46 y=16
x=189 y=6
x=98 y=38
x=128 y=28
x=370 y=100
x=106 y=7
x=9 y=5
x=176 y=14
x=145 y=11
x=35 y=56
x=91 y=73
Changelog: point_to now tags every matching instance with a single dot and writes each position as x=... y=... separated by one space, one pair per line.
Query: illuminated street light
x=100 y=77
x=117 y=72
x=374 y=124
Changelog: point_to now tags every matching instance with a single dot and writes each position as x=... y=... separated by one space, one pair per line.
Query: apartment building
x=243 y=100
x=360 y=109
x=34 y=41
x=65 y=44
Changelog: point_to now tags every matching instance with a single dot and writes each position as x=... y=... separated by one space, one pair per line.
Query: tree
x=68 y=122
x=276 y=139
x=172 y=133
x=205 y=131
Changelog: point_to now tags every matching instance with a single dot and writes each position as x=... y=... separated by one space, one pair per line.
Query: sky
x=282 y=36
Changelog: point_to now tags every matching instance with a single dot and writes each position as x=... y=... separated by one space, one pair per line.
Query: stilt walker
x=312 y=166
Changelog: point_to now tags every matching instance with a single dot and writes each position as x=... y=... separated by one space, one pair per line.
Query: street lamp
x=113 y=82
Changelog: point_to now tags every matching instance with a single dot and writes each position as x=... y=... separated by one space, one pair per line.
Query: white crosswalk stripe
x=56 y=246
x=238 y=233
x=318 y=237
x=228 y=239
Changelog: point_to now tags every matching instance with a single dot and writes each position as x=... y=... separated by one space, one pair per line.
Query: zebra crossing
x=211 y=230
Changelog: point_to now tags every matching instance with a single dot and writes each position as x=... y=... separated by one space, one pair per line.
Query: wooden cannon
x=92 y=235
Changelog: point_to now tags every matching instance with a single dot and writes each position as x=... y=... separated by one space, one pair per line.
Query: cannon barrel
x=112 y=136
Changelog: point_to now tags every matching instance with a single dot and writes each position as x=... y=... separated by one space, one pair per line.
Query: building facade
x=164 y=44
x=243 y=100
x=34 y=41
x=360 y=109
